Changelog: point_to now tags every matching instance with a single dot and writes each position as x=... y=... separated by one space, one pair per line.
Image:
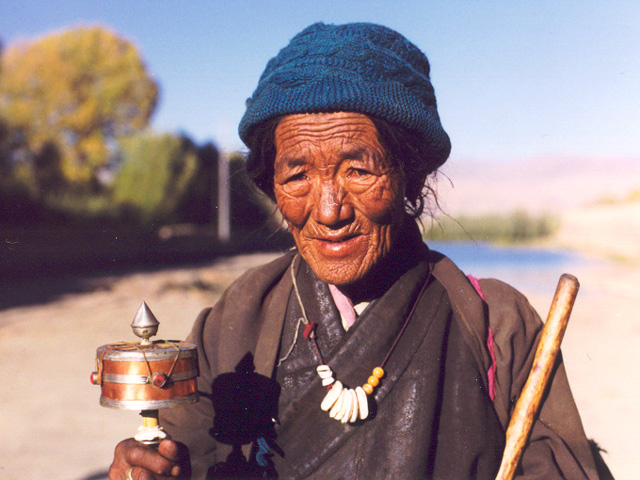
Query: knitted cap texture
x=356 y=67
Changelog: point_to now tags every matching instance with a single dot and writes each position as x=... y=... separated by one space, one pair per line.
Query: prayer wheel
x=147 y=376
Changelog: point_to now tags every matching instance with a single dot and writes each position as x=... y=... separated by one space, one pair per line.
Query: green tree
x=155 y=173
x=75 y=92
x=199 y=203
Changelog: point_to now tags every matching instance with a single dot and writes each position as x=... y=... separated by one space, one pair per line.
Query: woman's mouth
x=338 y=246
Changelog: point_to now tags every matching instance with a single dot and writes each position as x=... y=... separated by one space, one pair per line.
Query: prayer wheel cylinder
x=147 y=377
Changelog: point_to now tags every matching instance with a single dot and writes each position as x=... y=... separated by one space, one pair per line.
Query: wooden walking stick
x=543 y=362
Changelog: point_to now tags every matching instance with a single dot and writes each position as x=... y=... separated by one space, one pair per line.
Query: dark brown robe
x=432 y=414
x=433 y=417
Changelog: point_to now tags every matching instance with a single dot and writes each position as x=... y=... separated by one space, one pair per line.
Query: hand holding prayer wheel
x=134 y=461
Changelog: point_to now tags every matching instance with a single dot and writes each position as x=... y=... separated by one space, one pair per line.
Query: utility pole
x=224 y=199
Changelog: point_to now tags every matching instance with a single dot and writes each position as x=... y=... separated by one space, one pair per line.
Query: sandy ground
x=55 y=429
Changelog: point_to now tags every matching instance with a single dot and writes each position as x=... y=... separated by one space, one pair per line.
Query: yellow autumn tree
x=75 y=91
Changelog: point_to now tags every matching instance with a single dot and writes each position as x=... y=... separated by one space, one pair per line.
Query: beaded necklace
x=344 y=404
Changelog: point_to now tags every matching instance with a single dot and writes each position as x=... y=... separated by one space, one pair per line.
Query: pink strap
x=491 y=373
x=345 y=307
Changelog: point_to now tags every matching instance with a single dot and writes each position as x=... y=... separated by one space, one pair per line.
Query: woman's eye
x=359 y=172
x=296 y=177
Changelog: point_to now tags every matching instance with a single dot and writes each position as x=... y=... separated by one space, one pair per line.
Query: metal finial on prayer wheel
x=147 y=376
x=145 y=324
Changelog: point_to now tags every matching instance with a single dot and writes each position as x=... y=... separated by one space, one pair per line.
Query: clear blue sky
x=513 y=78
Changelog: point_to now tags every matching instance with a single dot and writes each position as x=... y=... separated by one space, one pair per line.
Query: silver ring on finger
x=129 y=476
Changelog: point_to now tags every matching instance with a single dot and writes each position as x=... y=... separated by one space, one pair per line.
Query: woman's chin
x=339 y=272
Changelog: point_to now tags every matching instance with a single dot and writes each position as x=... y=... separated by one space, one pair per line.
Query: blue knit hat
x=356 y=67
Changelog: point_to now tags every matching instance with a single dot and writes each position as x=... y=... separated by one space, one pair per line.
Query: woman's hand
x=169 y=460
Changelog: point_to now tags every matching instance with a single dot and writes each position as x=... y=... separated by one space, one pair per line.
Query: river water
x=531 y=270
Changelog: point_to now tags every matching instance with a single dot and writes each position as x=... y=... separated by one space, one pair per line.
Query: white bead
x=337 y=406
x=342 y=401
x=345 y=411
x=363 y=404
x=352 y=406
x=327 y=381
x=354 y=411
x=331 y=396
x=324 y=371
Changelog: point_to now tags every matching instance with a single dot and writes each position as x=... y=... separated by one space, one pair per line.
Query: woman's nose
x=331 y=206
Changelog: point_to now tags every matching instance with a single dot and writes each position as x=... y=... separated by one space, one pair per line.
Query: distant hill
x=535 y=185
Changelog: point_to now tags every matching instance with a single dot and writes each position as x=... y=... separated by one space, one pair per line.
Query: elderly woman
x=360 y=354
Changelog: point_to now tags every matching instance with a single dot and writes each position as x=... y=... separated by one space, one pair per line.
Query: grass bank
x=511 y=228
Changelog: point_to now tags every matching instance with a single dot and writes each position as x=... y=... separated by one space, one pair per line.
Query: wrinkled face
x=342 y=198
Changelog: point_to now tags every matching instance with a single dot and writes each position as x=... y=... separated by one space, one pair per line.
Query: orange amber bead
x=373 y=381
x=368 y=389
x=378 y=372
